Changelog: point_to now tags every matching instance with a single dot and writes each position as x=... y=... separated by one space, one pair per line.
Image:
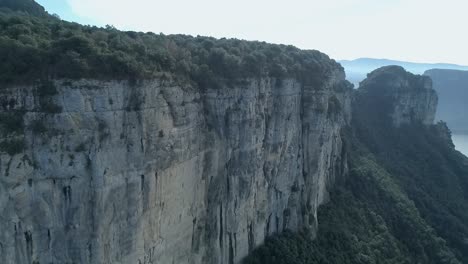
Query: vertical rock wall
x=161 y=172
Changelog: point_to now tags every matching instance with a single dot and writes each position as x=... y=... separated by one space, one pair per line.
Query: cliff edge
x=404 y=199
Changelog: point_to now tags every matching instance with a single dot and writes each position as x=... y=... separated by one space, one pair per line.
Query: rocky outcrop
x=161 y=172
x=393 y=94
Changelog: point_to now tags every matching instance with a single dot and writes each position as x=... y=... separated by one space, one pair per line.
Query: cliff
x=452 y=88
x=391 y=93
x=159 y=171
x=404 y=199
x=162 y=172
x=126 y=147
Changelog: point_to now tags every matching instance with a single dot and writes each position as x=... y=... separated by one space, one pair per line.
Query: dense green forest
x=41 y=46
x=405 y=200
x=411 y=209
x=26 y=6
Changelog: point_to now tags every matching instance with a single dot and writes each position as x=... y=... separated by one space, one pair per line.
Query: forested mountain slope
x=131 y=147
x=404 y=200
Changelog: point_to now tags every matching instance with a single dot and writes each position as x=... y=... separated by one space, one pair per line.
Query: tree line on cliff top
x=35 y=45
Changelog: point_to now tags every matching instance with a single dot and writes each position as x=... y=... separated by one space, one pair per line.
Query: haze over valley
x=357 y=70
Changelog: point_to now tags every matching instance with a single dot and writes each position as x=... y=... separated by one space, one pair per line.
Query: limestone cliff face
x=391 y=92
x=161 y=172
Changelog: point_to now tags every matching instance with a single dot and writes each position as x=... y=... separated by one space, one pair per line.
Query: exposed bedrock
x=161 y=172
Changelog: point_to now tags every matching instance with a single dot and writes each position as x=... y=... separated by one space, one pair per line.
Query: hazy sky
x=412 y=30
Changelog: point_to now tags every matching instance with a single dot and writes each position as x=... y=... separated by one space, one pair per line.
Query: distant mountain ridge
x=357 y=70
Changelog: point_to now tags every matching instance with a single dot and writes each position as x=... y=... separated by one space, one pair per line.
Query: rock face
x=391 y=92
x=452 y=88
x=161 y=172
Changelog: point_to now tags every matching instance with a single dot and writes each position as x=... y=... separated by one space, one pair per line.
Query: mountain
x=405 y=197
x=452 y=87
x=130 y=147
x=450 y=82
x=357 y=70
x=127 y=147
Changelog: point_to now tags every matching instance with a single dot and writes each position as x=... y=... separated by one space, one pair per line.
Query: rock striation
x=162 y=172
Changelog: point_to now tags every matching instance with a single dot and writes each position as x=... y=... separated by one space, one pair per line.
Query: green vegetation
x=26 y=6
x=38 y=126
x=48 y=106
x=412 y=209
x=12 y=146
x=405 y=200
x=44 y=47
x=47 y=88
x=81 y=147
x=11 y=128
x=11 y=123
x=334 y=106
x=434 y=177
x=103 y=130
x=45 y=91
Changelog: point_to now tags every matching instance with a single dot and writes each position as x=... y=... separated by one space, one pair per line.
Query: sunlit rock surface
x=162 y=172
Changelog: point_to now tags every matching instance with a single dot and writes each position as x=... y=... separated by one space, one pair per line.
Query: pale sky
x=410 y=30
